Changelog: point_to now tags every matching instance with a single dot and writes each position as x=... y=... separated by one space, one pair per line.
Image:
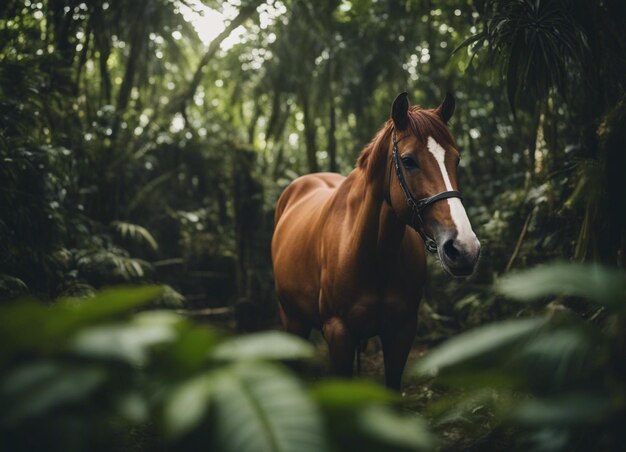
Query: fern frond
x=136 y=233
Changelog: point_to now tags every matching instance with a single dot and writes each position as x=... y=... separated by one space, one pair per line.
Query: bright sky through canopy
x=209 y=23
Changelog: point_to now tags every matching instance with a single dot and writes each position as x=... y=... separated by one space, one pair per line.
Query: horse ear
x=446 y=109
x=400 y=111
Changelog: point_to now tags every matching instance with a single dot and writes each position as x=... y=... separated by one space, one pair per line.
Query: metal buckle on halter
x=431 y=245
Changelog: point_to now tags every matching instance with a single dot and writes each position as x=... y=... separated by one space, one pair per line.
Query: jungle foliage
x=131 y=152
x=91 y=374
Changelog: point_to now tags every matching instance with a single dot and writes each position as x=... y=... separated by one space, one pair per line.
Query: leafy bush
x=551 y=382
x=96 y=374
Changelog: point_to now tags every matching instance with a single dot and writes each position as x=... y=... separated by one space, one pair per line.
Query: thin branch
x=244 y=13
x=520 y=240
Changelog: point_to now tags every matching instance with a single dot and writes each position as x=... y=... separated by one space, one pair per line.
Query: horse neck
x=377 y=231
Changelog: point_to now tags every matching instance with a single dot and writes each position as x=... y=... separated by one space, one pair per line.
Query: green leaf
x=135 y=232
x=478 y=342
x=603 y=285
x=133 y=407
x=39 y=388
x=191 y=349
x=188 y=404
x=273 y=345
x=260 y=407
x=395 y=430
x=110 y=302
x=338 y=394
x=127 y=342
x=563 y=410
x=36 y=326
x=560 y=356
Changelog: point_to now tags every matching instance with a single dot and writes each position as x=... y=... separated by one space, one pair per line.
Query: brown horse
x=344 y=259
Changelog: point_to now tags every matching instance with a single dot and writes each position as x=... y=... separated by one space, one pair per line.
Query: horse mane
x=422 y=123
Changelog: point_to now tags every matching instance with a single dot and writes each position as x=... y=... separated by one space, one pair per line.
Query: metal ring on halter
x=417 y=207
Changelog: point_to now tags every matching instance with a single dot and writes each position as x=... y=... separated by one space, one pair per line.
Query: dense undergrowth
x=102 y=373
x=132 y=153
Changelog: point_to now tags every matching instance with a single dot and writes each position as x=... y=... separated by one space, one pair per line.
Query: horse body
x=346 y=263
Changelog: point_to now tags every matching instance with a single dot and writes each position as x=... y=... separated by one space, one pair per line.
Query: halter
x=417 y=207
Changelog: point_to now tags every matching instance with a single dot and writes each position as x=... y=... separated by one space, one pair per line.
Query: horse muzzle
x=459 y=257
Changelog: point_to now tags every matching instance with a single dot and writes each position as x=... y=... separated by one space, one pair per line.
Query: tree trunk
x=82 y=60
x=309 y=133
x=136 y=45
x=532 y=147
x=274 y=115
x=332 y=121
x=280 y=154
x=104 y=50
x=253 y=123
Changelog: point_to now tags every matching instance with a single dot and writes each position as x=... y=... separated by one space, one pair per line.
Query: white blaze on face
x=465 y=235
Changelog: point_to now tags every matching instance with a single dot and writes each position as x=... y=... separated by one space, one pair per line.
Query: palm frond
x=136 y=233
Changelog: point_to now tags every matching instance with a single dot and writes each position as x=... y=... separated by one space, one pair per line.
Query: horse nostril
x=450 y=250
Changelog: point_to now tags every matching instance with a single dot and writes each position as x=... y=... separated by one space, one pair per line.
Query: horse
x=349 y=253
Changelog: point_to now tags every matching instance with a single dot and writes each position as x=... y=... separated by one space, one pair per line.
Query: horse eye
x=409 y=163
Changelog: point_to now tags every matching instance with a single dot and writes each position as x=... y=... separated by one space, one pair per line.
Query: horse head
x=422 y=183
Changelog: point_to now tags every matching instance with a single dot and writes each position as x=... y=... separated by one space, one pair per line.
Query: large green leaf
x=577 y=408
x=265 y=345
x=603 y=285
x=29 y=324
x=560 y=356
x=478 y=342
x=394 y=430
x=188 y=404
x=360 y=416
x=260 y=407
x=129 y=342
x=36 y=389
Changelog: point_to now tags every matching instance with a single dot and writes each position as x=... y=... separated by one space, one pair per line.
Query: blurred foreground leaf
x=63 y=375
x=393 y=430
x=475 y=343
x=260 y=407
x=35 y=389
x=565 y=409
x=266 y=345
x=188 y=404
x=361 y=416
x=560 y=356
x=602 y=285
x=126 y=342
x=28 y=324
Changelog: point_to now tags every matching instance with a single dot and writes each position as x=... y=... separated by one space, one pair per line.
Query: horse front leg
x=293 y=325
x=341 y=346
x=397 y=340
